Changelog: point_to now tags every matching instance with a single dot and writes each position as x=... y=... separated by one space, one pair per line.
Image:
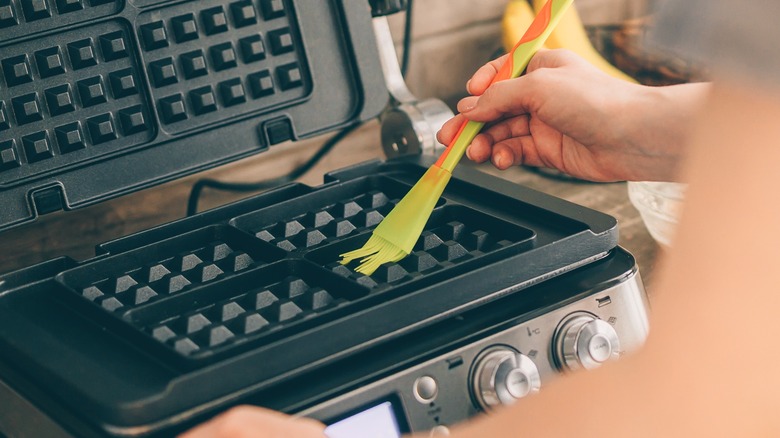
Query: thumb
x=520 y=95
x=524 y=94
x=555 y=58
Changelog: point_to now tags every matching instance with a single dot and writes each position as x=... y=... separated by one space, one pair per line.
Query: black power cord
x=197 y=188
x=407 y=38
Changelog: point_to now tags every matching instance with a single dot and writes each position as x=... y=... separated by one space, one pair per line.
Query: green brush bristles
x=394 y=238
x=373 y=254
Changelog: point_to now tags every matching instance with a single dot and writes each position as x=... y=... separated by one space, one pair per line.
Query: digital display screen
x=378 y=421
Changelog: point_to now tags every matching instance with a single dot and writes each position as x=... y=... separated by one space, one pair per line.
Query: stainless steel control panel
x=509 y=365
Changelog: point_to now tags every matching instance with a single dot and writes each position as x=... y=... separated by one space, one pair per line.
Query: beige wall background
x=452 y=38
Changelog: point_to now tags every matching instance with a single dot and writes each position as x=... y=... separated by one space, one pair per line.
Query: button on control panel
x=502 y=376
x=584 y=341
x=425 y=389
x=510 y=364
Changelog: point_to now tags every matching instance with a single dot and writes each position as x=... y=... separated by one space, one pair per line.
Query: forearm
x=707 y=369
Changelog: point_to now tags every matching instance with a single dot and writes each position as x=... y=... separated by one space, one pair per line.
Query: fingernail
x=468 y=153
x=467 y=104
x=468 y=85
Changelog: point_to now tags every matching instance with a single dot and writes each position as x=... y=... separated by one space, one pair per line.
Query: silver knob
x=502 y=375
x=584 y=341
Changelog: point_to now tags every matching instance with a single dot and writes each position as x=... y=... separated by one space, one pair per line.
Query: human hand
x=254 y=422
x=567 y=115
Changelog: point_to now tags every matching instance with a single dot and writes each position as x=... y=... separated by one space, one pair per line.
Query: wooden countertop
x=76 y=233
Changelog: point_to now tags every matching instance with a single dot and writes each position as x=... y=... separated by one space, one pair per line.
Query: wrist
x=655 y=134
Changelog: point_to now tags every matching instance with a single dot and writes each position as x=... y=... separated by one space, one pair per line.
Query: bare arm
x=254 y=422
x=710 y=365
x=566 y=114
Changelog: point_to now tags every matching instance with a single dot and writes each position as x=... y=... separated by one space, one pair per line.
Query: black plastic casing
x=103 y=98
x=160 y=327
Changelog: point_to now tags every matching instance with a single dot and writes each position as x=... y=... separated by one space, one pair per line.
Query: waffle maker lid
x=102 y=98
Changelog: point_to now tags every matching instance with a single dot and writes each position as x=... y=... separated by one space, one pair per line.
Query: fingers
x=447 y=132
x=481 y=148
x=484 y=76
x=254 y=422
x=506 y=154
x=517 y=151
x=446 y=136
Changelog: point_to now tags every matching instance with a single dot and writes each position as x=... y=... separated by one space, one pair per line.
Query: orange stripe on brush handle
x=446 y=152
x=534 y=31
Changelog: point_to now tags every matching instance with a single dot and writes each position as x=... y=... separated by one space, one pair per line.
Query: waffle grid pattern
x=26 y=17
x=168 y=276
x=333 y=222
x=264 y=308
x=212 y=60
x=261 y=277
x=439 y=248
x=76 y=98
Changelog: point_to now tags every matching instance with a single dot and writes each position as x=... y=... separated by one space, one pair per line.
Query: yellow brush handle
x=518 y=59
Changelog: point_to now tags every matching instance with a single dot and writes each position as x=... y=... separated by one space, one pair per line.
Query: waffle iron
x=247 y=303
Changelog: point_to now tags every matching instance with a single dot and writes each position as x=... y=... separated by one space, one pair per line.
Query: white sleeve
x=737 y=39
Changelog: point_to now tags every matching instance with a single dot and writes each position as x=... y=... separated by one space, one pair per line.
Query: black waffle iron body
x=247 y=303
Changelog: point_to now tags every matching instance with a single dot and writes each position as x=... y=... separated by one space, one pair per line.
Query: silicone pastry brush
x=394 y=238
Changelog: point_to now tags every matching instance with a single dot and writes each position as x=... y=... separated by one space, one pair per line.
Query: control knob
x=584 y=341
x=502 y=376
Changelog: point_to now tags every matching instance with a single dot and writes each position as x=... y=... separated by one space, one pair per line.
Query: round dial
x=502 y=375
x=584 y=341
